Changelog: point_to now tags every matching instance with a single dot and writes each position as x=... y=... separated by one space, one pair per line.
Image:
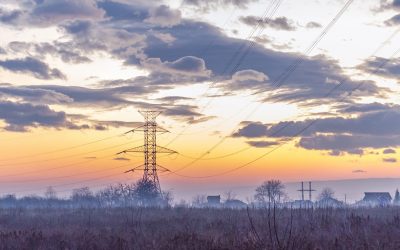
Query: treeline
x=141 y=193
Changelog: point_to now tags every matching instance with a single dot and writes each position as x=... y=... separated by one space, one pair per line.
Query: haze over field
x=250 y=90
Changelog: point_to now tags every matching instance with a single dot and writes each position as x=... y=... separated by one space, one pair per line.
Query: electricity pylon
x=150 y=148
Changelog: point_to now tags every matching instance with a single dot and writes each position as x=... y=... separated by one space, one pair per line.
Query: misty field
x=192 y=228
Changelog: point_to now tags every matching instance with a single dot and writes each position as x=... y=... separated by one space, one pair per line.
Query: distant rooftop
x=377 y=196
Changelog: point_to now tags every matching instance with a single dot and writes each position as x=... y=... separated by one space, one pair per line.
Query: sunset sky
x=250 y=90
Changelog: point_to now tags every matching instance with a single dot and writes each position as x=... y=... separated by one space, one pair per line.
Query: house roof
x=377 y=196
x=235 y=202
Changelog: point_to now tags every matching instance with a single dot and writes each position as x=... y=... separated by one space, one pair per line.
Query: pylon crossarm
x=143 y=128
x=141 y=167
x=165 y=150
x=135 y=150
x=130 y=131
x=122 y=152
x=162 y=169
x=150 y=113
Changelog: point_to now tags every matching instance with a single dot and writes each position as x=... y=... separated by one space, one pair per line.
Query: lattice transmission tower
x=150 y=149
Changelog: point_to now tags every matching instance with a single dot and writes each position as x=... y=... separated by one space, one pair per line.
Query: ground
x=193 y=228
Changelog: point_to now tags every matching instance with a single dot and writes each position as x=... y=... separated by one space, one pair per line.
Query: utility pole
x=302 y=191
x=150 y=149
x=309 y=190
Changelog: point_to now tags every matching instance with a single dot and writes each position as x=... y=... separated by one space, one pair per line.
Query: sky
x=249 y=91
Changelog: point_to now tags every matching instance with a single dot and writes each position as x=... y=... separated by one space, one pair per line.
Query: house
x=235 y=204
x=301 y=204
x=329 y=202
x=214 y=200
x=376 y=199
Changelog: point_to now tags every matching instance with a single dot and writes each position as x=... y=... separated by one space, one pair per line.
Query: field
x=194 y=228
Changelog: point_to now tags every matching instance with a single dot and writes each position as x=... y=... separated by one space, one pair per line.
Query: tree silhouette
x=270 y=191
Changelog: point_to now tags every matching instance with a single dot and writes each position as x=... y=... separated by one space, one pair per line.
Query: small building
x=301 y=204
x=329 y=202
x=380 y=199
x=235 y=204
x=214 y=200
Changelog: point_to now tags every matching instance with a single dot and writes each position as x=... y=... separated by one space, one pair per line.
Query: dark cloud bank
x=176 y=52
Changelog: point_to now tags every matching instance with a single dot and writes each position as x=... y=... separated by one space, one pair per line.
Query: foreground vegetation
x=199 y=228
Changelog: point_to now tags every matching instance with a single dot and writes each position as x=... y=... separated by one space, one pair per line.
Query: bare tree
x=270 y=191
x=199 y=200
x=83 y=197
x=146 y=193
x=50 y=193
x=229 y=195
x=326 y=193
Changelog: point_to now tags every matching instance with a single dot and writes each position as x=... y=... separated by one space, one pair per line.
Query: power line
x=301 y=131
x=218 y=157
x=65 y=176
x=274 y=5
x=62 y=157
x=290 y=69
x=62 y=149
x=56 y=168
x=71 y=183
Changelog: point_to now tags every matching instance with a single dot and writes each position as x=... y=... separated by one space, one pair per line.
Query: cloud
x=104 y=125
x=76 y=95
x=9 y=17
x=389 y=160
x=393 y=21
x=252 y=130
x=246 y=79
x=121 y=159
x=374 y=129
x=335 y=153
x=34 y=95
x=359 y=171
x=164 y=37
x=174 y=99
x=105 y=97
x=313 y=25
x=389 y=151
x=262 y=144
x=389 y=4
x=127 y=37
x=21 y=116
x=155 y=80
x=131 y=10
x=52 y=12
x=188 y=65
x=391 y=69
x=33 y=67
x=49 y=12
x=163 y=16
x=365 y=108
x=347 y=143
x=207 y=5
x=307 y=84
x=278 y=23
x=64 y=51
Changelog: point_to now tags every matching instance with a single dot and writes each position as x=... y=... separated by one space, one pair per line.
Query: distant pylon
x=150 y=149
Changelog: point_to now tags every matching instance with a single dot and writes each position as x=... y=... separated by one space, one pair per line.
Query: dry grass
x=190 y=228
